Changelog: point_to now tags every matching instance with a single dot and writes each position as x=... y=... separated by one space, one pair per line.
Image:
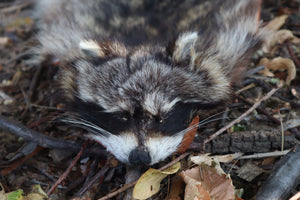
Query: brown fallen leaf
x=177 y=187
x=276 y=23
x=189 y=135
x=149 y=183
x=279 y=37
x=279 y=63
x=205 y=183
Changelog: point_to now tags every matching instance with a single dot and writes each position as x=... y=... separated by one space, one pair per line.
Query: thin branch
x=43 y=140
x=295 y=59
x=65 y=174
x=264 y=155
x=258 y=109
x=241 y=117
x=94 y=179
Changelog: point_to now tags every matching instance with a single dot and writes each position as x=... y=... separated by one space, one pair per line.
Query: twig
x=42 y=120
x=259 y=109
x=19 y=56
x=129 y=185
x=264 y=155
x=30 y=135
x=43 y=140
x=295 y=59
x=174 y=161
x=282 y=131
x=267 y=87
x=65 y=174
x=33 y=83
x=245 y=88
x=241 y=117
x=94 y=179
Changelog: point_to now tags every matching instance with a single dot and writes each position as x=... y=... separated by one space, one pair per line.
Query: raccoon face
x=138 y=102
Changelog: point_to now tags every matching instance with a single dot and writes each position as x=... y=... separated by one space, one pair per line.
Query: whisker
x=86 y=125
x=207 y=120
x=219 y=113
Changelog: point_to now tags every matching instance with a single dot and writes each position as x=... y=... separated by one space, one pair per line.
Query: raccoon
x=137 y=72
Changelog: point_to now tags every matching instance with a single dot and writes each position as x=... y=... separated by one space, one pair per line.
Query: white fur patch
x=119 y=145
x=169 y=105
x=162 y=147
x=151 y=103
x=155 y=103
x=91 y=47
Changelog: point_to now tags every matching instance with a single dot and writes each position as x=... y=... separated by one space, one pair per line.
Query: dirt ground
x=29 y=95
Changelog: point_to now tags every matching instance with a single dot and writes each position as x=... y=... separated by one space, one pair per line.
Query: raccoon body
x=138 y=72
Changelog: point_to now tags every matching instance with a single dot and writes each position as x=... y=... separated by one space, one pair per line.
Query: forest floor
x=28 y=95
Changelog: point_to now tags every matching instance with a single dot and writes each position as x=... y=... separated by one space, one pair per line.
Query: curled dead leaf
x=279 y=63
x=278 y=37
x=149 y=183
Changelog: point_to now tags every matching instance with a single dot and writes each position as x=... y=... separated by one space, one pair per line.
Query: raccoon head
x=138 y=101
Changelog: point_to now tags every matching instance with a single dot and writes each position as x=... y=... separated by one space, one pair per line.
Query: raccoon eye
x=161 y=121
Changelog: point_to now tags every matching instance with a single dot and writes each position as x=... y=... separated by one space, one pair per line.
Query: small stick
x=282 y=131
x=259 y=110
x=295 y=59
x=94 y=179
x=65 y=174
x=129 y=185
x=43 y=140
x=241 y=117
x=264 y=155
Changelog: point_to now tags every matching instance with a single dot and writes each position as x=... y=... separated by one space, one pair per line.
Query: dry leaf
x=205 y=183
x=214 y=160
x=149 y=183
x=276 y=23
x=189 y=136
x=278 y=37
x=249 y=171
x=194 y=189
x=177 y=187
x=228 y=158
x=279 y=63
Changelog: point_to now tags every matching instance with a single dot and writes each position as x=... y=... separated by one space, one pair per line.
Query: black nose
x=139 y=156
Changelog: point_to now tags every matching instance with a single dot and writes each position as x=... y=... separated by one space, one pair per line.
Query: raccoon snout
x=139 y=156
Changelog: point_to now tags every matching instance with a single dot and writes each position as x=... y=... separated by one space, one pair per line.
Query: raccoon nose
x=139 y=156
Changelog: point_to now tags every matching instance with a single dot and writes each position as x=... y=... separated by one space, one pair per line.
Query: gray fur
x=115 y=55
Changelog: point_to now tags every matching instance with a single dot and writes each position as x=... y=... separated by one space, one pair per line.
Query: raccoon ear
x=182 y=50
x=225 y=38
